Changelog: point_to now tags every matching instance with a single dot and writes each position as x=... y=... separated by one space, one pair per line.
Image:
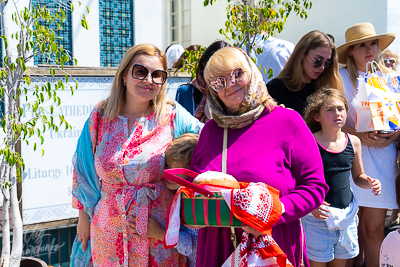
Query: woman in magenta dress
x=266 y=144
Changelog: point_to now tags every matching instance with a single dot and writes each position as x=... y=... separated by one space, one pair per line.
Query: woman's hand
x=378 y=140
x=154 y=230
x=321 y=213
x=83 y=229
x=375 y=185
x=251 y=230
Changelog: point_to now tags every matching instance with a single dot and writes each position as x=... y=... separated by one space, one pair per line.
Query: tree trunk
x=245 y=2
x=5 y=253
x=17 y=221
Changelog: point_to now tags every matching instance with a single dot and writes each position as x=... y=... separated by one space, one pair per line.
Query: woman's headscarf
x=255 y=101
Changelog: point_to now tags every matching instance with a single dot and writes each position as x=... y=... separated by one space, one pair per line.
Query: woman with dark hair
x=191 y=96
x=312 y=65
x=119 y=162
x=265 y=143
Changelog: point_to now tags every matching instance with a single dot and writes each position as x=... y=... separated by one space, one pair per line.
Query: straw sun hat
x=363 y=32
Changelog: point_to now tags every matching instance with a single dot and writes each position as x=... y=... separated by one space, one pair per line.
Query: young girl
x=178 y=155
x=331 y=230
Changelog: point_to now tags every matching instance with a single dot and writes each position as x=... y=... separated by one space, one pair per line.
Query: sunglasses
x=318 y=62
x=389 y=60
x=140 y=72
x=220 y=83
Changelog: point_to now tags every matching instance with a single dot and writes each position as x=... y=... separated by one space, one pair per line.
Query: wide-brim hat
x=362 y=32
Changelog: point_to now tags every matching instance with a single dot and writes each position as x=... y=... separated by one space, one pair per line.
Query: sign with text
x=47 y=179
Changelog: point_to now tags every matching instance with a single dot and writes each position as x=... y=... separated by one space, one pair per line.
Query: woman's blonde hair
x=389 y=53
x=292 y=73
x=115 y=102
x=315 y=103
x=181 y=149
x=223 y=62
x=352 y=68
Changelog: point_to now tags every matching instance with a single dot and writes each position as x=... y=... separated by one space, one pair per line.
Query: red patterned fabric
x=257 y=205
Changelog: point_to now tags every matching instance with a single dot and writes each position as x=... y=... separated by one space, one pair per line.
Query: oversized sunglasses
x=389 y=60
x=317 y=62
x=140 y=72
x=220 y=83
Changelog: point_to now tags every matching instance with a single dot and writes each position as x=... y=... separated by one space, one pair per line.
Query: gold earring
x=124 y=83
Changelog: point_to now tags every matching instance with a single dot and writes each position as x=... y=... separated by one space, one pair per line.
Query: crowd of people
x=295 y=133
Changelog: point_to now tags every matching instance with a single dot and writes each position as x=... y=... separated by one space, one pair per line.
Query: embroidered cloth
x=255 y=204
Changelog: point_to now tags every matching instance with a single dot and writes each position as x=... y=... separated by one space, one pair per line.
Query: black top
x=283 y=95
x=337 y=166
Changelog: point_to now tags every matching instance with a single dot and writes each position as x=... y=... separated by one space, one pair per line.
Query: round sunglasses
x=220 y=83
x=317 y=62
x=140 y=72
x=389 y=60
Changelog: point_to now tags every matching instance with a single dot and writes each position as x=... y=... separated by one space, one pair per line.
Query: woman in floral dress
x=119 y=163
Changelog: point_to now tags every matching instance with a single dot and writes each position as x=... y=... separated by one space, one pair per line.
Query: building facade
x=116 y=25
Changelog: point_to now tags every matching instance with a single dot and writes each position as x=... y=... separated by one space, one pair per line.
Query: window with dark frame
x=116 y=30
x=64 y=33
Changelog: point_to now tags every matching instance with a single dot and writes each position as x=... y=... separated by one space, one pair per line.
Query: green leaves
x=84 y=22
x=189 y=64
x=263 y=18
x=36 y=35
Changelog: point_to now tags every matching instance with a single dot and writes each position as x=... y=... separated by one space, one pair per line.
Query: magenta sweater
x=279 y=150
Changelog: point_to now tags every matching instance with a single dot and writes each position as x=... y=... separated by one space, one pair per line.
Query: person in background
x=379 y=151
x=389 y=255
x=276 y=53
x=191 y=96
x=325 y=115
x=178 y=64
x=173 y=53
x=312 y=65
x=390 y=59
x=119 y=163
x=287 y=157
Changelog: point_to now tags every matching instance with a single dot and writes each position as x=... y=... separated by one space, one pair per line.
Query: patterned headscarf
x=254 y=103
x=200 y=112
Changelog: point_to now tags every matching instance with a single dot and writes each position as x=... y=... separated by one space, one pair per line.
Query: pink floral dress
x=130 y=167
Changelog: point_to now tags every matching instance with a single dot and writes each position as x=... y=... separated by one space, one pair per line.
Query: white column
x=393 y=24
x=86 y=43
x=206 y=21
x=335 y=17
x=148 y=22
